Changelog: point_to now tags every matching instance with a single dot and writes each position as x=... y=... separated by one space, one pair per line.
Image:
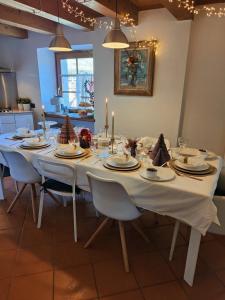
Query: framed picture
x=134 y=71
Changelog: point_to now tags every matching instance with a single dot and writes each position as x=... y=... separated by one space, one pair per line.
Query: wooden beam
x=108 y=8
x=49 y=9
x=25 y=20
x=13 y=31
x=179 y=13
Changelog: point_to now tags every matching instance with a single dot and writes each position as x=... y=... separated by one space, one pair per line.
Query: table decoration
x=132 y=145
x=85 y=138
x=159 y=154
x=43 y=120
x=67 y=132
x=112 y=134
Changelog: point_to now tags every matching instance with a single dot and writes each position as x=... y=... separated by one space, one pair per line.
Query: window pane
x=68 y=66
x=70 y=99
x=69 y=83
x=85 y=65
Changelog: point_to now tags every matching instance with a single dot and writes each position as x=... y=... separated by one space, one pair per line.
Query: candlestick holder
x=112 y=144
x=106 y=130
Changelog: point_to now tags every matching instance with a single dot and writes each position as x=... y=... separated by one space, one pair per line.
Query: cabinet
x=9 y=122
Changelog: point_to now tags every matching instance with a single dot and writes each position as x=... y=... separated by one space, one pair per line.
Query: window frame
x=67 y=55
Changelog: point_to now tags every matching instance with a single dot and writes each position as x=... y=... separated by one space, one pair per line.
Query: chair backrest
x=57 y=171
x=111 y=199
x=21 y=169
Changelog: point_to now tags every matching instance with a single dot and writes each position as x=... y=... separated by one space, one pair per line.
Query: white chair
x=112 y=200
x=219 y=201
x=21 y=170
x=4 y=171
x=58 y=179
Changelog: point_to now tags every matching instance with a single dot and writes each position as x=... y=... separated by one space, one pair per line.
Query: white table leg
x=192 y=256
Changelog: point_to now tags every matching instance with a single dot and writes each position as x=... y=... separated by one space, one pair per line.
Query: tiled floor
x=46 y=264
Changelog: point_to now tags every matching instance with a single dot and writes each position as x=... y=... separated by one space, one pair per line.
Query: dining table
x=185 y=199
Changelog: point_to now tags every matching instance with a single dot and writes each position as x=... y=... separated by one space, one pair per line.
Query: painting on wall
x=134 y=71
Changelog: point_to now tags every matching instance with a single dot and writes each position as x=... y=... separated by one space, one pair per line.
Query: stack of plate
x=121 y=163
x=202 y=168
x=34 y=146
x=23 y=135
x=68 y=154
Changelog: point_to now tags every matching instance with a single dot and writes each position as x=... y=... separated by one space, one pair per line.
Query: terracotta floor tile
x=7 y=262
x=221 y=275
x=132 y=295
x=4 y=288
x=69 y=254
x=112 y=279
x=34 y=236
x=32 y=260
x=213 y=253
x=162 y=236
x=206 y=286
x=149 y=219
x=179 y=260
x=11 y=220
x=151 y=268
x=9 y=239
x=35 y=287
x=75 y=284
x=167 y=291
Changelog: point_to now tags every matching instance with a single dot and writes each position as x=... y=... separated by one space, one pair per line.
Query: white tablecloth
x=185 y=199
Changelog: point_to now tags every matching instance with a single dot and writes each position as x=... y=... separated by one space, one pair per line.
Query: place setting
x=122 y=162
x=35 y=143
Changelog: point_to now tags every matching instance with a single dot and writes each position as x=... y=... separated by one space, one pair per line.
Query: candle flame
x=112 y=113
x=106 y=100
x=43 y=107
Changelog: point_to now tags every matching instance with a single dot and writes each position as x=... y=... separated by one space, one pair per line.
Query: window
x=75 y=75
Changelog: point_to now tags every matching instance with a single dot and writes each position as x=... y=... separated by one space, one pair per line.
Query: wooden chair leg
x=93 y=236
x=140 y=231
x=41 y=204
x=16 y=198
x=124 y=246
x=54 y=198
x=34 y=200
x=16 y=186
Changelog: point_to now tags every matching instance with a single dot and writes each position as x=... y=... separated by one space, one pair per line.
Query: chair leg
x=16 y=186
x=64 y=202
x=124 y=246
x=53 y=198
x=16 y=198
x=174 y=239
x=140 y=231
x=94 y=235
x=34 y=199
x=40 y=209
x=74 y=219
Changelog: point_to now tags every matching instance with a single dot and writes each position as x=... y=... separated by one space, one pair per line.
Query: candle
x=113 y=125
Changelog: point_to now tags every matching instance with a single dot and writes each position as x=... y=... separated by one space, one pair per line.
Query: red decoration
x=85 y=138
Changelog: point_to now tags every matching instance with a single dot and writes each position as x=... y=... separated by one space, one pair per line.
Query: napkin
x=159 y=154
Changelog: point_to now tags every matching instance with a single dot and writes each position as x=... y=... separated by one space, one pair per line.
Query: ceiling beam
x=13 y=31
x=108 y=8
x=49 y=9
x=179 y=13
x=22 y=19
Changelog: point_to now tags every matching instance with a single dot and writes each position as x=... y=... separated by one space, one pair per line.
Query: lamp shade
x=59 y=42
x=115 y=38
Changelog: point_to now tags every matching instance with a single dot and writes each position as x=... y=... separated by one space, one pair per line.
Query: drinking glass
x=182 y=142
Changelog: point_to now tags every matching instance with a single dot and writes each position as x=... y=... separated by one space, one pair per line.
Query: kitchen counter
x=15 y=112
x=73 y=116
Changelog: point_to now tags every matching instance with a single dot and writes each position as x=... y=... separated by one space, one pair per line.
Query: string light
x=208 y=10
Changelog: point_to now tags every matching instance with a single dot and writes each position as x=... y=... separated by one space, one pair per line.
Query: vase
x=26 y=106
x=20 y=106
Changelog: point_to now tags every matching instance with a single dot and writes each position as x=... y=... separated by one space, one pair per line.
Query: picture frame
x=134 y=70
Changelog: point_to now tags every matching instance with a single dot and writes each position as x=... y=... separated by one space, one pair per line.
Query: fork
x=186 y=175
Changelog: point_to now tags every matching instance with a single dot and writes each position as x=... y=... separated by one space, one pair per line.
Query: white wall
x=135 y=116
x=204 y=97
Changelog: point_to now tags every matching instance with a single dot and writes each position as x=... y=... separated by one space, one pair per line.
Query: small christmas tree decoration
x=132 y=144
x=67 y=132
x=159 y=154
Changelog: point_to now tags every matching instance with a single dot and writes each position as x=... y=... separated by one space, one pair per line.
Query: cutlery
x=187 y=175
x=89 y=155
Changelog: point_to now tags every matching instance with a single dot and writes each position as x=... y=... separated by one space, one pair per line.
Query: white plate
x=76 y=152
x=25 y=135
x=41 y=144
x=163 y=174
x=130 y=163
x=204 y=166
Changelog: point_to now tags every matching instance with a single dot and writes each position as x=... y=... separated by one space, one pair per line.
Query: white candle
x=113 y=125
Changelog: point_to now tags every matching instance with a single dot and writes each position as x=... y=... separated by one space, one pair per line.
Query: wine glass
x=182 y=142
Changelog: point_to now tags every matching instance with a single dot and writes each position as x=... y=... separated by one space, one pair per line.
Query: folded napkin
x=159 y=154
